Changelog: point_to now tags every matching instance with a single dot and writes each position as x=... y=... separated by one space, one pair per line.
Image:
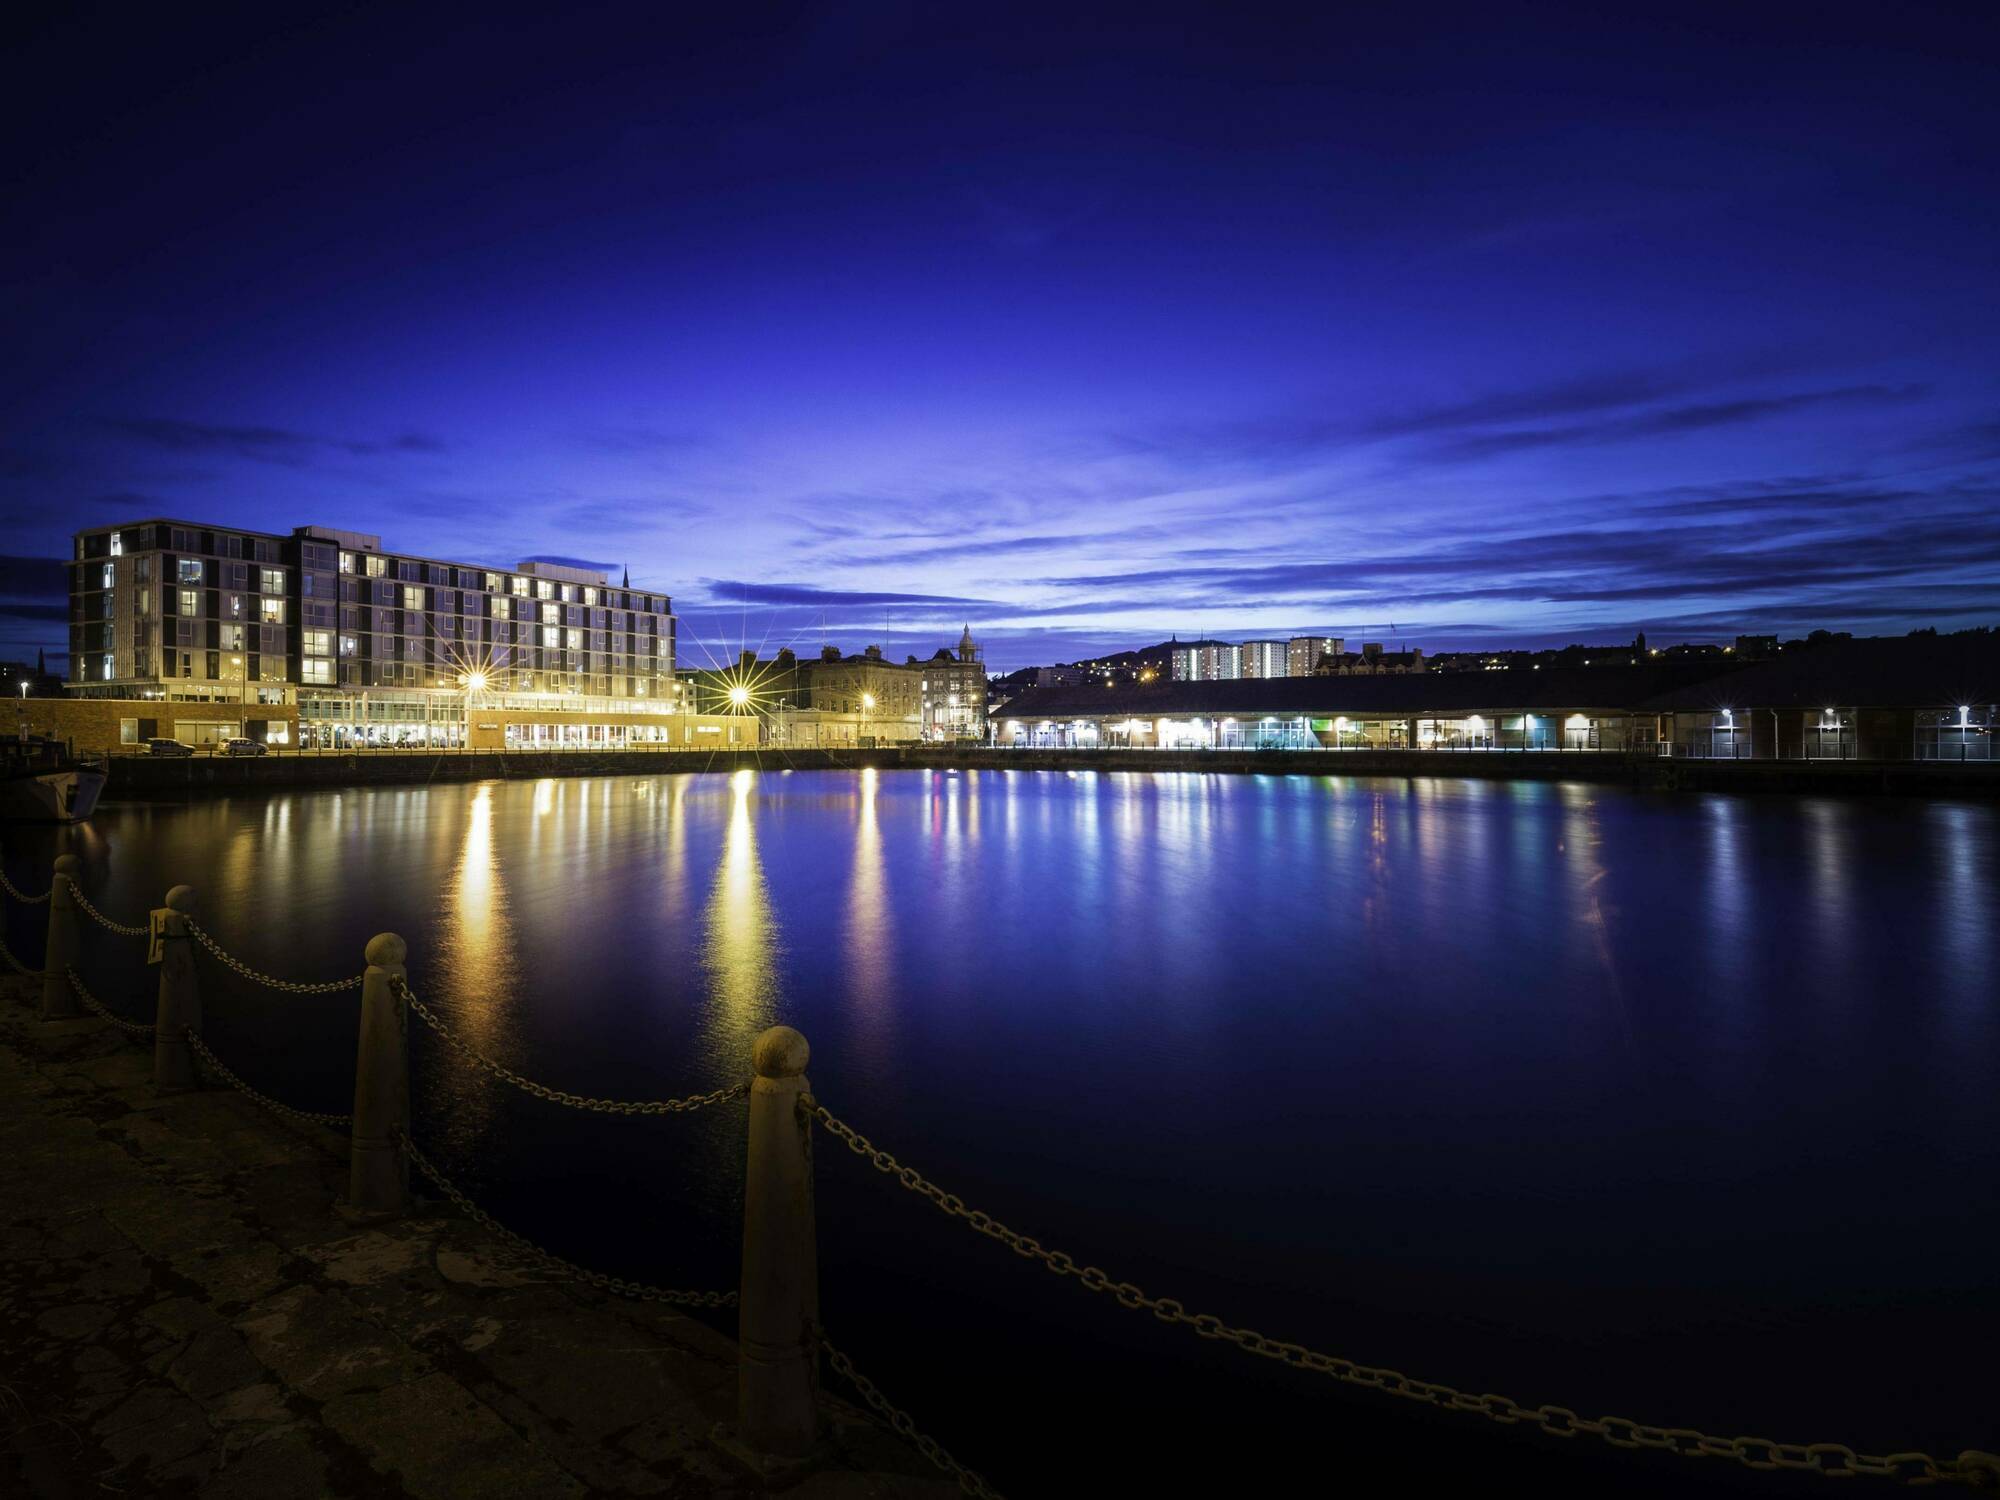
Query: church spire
x=628 y=576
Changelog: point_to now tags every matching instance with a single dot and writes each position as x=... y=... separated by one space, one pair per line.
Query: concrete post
x=180 y=1001
x=778 y=1351
x=378 y=1178
x=59 y=1001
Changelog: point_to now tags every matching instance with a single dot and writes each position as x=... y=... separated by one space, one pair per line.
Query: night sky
x=1512 y=325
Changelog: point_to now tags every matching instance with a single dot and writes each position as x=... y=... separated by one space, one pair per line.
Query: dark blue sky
x=1506 y=324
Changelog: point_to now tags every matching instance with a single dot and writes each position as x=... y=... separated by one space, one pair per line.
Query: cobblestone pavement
x=182 y=1313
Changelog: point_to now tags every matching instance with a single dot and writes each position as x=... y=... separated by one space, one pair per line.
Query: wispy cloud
x=260 y=442
x=723 y=591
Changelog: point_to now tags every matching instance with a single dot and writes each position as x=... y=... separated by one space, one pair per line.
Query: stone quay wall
x=144 y=778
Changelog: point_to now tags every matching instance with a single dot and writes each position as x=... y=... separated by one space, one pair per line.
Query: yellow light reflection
x=479 y=967
x=739 y=952
x=870 y=954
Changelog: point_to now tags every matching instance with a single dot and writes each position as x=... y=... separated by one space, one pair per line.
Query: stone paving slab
x=183 y=1313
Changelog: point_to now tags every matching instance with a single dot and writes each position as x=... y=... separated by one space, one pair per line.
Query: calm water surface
x=1684 y=1108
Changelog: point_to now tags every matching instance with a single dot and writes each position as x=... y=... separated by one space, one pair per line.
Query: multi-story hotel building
x=358 y=646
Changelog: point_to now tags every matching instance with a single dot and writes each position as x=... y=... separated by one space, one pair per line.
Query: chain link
x=95 y=915
x=1835 y=1460
x=549 y=1260
x=901 y=1421
x=560 y=1096
x=222 y=1071
x=289 y=986
x=15 y=963
x=12 y=890
x=92 y=1003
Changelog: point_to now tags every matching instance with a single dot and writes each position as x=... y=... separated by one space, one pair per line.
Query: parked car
x=168 y=747
x=240 y=746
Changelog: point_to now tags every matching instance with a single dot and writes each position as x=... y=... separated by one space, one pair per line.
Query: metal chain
x=548 y=1260
x=560 y=1096
x=1835 y=1460
x=95 y=915
x=11 y=890
x=221 y=1070
x=92 y=1003
x=290 y=986
x=905 y=1427
x=16 y=964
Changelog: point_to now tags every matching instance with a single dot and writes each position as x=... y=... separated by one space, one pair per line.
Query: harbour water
x=1684 y=1108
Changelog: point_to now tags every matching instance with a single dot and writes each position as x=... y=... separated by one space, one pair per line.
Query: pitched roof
x=1879 y=672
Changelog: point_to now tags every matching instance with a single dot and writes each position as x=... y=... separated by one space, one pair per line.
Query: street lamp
x=473 y=682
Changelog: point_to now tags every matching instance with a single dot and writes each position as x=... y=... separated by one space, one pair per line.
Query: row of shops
x=1894 y=699
x=1576 y=731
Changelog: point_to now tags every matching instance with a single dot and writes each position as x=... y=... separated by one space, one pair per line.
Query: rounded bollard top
x=780 y=1053
x=68 y=864
x=181 y=899
x=386 y=950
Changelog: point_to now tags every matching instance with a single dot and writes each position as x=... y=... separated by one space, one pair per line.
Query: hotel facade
x=323 y=639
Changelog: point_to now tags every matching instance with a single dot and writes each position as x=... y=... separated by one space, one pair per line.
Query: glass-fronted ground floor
x=1520 y=731
x=453 y=721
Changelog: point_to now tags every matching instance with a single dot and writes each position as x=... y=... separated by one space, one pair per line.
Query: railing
x=780 y=1339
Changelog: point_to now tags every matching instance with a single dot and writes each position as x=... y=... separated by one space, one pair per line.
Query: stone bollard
x=777 y=1370
x=59 y=1001
x=180 y=1001
x=378 y=1180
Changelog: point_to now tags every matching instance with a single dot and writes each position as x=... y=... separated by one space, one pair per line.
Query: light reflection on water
x=742 y=948
x=1397 y=1056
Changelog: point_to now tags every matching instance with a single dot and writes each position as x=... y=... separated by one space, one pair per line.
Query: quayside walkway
x=184 y=1312
x=195 y=1301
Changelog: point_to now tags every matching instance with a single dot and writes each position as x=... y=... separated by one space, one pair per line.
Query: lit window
x=190 y=601
x=544 y=589
x=274 y=580
x=108 y=660
x=318 y=643
x=117 y=550
x=273 y=612
x=347 y=562
x=110 y=576
x=551 y=614
x=413 y=597
x=375 y=565
x=232 y=638
x=518 y=585
x=190 y=569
